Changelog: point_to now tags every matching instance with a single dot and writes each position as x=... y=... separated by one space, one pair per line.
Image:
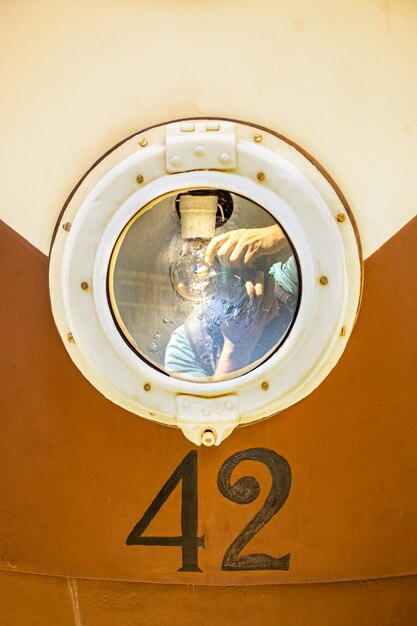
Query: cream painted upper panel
x=338 y=78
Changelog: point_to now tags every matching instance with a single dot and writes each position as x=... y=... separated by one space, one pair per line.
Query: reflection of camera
x=231 y=290
x=286 y=298
x=231 y=299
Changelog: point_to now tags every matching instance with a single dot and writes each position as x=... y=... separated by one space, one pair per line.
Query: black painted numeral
x=186 y=472
x=246 y=490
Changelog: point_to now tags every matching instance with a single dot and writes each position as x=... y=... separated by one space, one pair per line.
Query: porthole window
x=205 y=274
x=219 y=296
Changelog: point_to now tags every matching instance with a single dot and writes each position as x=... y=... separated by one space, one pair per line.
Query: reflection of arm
x=240 y=248
x=180 y=357
x=233 y=357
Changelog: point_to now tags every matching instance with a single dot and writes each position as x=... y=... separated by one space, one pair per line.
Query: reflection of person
x=223 y=336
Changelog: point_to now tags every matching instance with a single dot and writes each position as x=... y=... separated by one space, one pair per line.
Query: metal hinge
x=200 y=145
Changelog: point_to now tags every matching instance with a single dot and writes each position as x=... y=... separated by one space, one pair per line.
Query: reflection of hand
x=240 y=339
x=239 y=248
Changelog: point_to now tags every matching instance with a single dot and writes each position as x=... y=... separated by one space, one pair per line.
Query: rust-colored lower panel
x=370 y=603
x=28 y=600
x=78 y=472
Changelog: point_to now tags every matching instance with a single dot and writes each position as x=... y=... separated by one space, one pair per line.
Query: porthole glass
x=204 y=285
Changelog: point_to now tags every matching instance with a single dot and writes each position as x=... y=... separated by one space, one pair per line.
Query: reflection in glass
x=192 y=277
x=202 y=294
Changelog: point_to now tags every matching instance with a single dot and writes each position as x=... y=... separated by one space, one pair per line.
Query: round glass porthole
x=205 y=274
x=220 y=295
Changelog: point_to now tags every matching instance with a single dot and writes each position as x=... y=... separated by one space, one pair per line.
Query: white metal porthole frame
x=218 y=154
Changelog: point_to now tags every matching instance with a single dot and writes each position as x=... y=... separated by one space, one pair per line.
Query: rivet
x=175 y=160
x=66 y=226
x=225 y=157
x=186 y=403
x=341 y=217
x=11 y=563
x=143 y=142
x=139 y=179
x=206 y=412
x=200 y=151
x=324 y=280
x=260 y=176
x=228 y=404
x=84 y=285
x=147 y=387
x=208 y=438
x=265 y=386
x=70 y=338
x=258 y=138
x=343 y=331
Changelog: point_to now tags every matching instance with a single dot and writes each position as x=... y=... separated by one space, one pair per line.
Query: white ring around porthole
x=292 y=190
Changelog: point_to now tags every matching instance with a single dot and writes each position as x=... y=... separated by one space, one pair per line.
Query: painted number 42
x=243 y=491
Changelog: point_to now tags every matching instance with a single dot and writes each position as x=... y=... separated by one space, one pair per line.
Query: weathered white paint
x=338 y=78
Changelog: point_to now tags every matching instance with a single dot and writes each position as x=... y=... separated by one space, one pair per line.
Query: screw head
x=257 y=138
x=324 y=280
x=225 y=157
x=208 y=437
x=84 y=286
x=143 y=142
x=70 y=338
x=343 y=331
x=175 y=160
x=139 y=179
x=200 y=150
x=66 y=226
x=341 y=217
x=260 y=176
x=265 y=386
x=147 y=387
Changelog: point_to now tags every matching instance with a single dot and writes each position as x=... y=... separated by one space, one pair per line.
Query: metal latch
x=200 y=145
x=207 y=421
